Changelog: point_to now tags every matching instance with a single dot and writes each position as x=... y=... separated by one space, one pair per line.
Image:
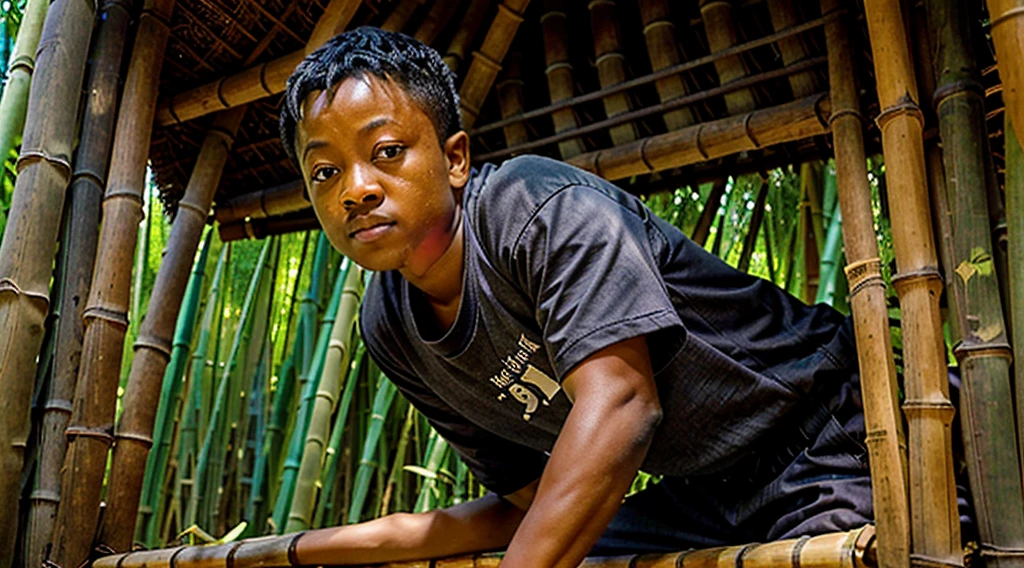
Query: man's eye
x=324 y=173
x=389 y=152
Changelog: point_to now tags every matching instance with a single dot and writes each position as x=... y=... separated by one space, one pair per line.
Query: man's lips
x=369 y=230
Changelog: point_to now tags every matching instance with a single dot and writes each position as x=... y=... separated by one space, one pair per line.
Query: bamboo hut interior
x=653 y=95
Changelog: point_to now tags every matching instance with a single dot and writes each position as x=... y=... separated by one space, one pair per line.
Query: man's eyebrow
x=313 y=145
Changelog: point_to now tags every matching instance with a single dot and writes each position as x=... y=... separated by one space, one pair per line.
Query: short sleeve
x=502 y=466
x=587 y=259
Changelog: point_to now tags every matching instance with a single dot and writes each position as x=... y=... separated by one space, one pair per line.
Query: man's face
x=384 y=189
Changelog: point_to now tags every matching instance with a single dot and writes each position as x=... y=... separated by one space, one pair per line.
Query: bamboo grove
x=244 y=403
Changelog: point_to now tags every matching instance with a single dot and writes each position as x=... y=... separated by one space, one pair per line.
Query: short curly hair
x=415 y=67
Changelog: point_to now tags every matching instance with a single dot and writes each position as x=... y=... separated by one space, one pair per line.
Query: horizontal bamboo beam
x=257 y=82
x=278 y=200
x=304 y=220
x=662 y=73
x=853 y=549
x=660 y=108
x=701 y=142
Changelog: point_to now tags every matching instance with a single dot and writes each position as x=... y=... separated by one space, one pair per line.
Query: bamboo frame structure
x=559 y=74
x=153 y=347
x=14 y=102
x=610 y=63
x=853 y=549
x=1006 y=19
x=659 y=33
x=400 y=14
x=257 y=82
x=983 y=349
x=336 y=362
x=30 y=237
x=708 y=213
x=278 y=200
x=483 y=70
x=867 y=299
x=471 y=22
x=1014 y=186
x=510 y=99
x=105 y=317
x=708 y=140
x=84 y=196
x=783 y=14
x=721 y=33
x=437 y=18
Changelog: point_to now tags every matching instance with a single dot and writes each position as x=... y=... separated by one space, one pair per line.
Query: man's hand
x=601 y=446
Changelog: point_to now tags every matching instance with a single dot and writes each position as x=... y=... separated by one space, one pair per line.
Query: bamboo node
x=700 y=147
x=102 y=434
x=510 y=13
x=746 y=128
x=607 y=56
x=906 y=106
x=836 y=115
x=555 y=66
x=45 y=495
x=970 y=349
x=743 y=552
x=924 y=561
x=961 y=86
x=486 y=60
x=153 y=342
x=146 y=441
x=8 y=285
x=293 y=557
x=930 y=276
x=193 y=207
x=61 y=162
x=993 y=551
x=819 y=111
x=117 y=318
x=798 y=549
x=58 y=405
x=658 y=24
x=643 y=154
x=1005 y=16
x=592 y=3
x=24 y=61
x=89 y=173
x=943 y=409
x=551 y=14
x=123 y=193
x=263 y=80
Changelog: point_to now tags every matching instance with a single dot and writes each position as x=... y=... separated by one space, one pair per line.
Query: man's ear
x=456 y=150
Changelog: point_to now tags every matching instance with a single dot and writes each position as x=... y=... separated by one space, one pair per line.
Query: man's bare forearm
x=484 y=524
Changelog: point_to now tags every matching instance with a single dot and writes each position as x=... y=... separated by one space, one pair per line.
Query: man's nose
x=362 y=190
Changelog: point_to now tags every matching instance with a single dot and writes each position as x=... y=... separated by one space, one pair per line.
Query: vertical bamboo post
x=867 y=298
x=85 y=195
x=468 y=27
x=721 y=33
x=983 y=349
x=30 y=237
x=14 y=101
x=510 y=99
x=487 y=60
x=153 y=346
x=90 y=431
x=610 y=63
x=559 y=73
x=709 y=212
x=1006 y=18
x=783 y=14
x=437 y=18
x=1015 y=235
x=400 y=14
x=659 y=34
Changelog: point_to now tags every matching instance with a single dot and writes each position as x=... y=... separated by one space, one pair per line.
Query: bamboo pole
x=1006 y=19
x=708 y=140
x=707 y=215
x=437 y=18
x=26 y=252
x=153 y=347
x=753 y=227
x=1014 y=186
x=385 y=395
x=14 y=101
x=339 y=352
x=559 y=73
x=173 y=379
x=400 y=14
x=853 y=549
x=471 y=22
x=487 y=60
x=783 y=15
x=721 y=33
x=983 y=349
x=285 y=198
x=867 y=299
x=257 y=82
x=89 y=433
x=610 y=63
x=84 y=195
x=659 y=34
x=510 y=99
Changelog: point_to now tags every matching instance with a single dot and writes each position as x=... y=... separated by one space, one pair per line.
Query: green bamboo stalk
x=325 y=505
x=336 y=360
x=203 y=462
x=435 y=457
x=14 y=100
x=156 y=462
x=381 y=404
x=394 y=490
x=983 y=350
x=831 y=259
x=289 y=476
x=1015 y=234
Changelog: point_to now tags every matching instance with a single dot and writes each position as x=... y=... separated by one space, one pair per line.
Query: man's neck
x=442 y=282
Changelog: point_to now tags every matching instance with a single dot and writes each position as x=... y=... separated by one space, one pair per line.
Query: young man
x=561 y=337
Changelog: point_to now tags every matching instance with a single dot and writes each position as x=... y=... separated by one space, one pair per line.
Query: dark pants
x=810 y=477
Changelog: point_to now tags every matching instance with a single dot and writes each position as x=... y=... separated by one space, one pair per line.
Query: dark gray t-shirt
x=559 y=264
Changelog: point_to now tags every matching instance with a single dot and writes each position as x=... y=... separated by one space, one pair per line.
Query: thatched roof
x=214 y=39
